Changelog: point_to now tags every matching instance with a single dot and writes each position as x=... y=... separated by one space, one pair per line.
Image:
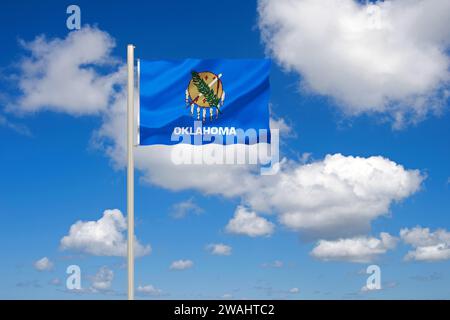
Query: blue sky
x=53 y=173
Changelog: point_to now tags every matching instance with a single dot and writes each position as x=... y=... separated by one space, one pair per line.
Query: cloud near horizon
x=181 y=265
x=104 y=237
x=428 y=246
x=358 y=249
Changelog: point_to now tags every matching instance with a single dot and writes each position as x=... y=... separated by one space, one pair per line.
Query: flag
x=202 y=101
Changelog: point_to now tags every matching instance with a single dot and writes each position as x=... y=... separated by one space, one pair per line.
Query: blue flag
x=202 y=101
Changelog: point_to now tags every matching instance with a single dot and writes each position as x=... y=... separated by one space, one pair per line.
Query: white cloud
x=182 y=209
x=274 y=264
x=104 y=237
x=62 y=74
x=366 y=56
x=337 y=196
x=358 y=249
x=149 y=290
x=428 y=246
x=219 y=249
x=305 y=157
x=19 y=128
x=248 y=223
x=285 y=129
x=43 y=264
x=294 y=290
x=102 y=280
x=181 y=265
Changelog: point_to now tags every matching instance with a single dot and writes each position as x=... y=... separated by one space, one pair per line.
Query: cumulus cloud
x=181 y=265
x=219 y=249
x=63 y=75
x=340 y=195
x=43 y=264
x=102 y=280
x=104 y=237
x=183 y=208
x=149 y=290
x=248 y=223
x=367 y=56
x=358 y=249
x=336 y=196
x=428 y=246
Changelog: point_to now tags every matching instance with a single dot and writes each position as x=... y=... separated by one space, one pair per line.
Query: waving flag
x=200 y=99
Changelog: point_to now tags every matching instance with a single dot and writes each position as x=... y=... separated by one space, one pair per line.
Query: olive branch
x=205 y=90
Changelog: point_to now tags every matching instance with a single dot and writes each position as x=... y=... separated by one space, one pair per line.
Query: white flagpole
x=130 y=173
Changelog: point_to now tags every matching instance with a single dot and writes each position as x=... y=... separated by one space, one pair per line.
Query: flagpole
x=130 y=172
